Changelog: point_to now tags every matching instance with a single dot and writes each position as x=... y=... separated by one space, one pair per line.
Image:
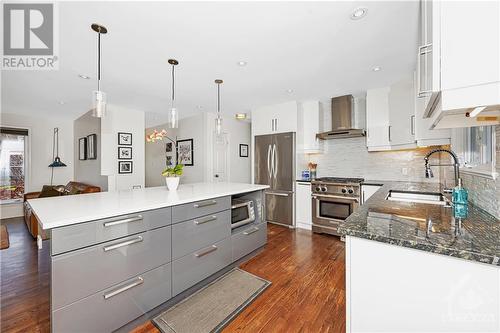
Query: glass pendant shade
x=173 y=119
x=218 y=126
x=98 y=104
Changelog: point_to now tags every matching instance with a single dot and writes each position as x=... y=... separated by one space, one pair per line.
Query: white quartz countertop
x=62 y=211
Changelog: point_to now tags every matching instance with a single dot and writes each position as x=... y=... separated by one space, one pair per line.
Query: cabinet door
x=303 y=208
x=377 y=118
x=262 y=121
x=285 y=117
x=402 y=113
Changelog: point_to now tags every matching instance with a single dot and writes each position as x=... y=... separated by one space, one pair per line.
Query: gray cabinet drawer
x=114 y=307
x=200 y=208
x=81 y=273
x=76 y=236
x=248 y=240
x=191 y=269
x=200 y=232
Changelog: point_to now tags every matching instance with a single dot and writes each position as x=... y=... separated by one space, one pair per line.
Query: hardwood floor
x=307 y=294
x=24 y=286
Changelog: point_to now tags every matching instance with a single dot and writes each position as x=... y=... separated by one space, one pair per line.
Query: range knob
x=318 y=188
x=344 y=190
x=351 y=191
x=323 y=189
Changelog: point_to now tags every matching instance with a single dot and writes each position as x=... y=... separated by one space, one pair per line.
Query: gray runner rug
x=211 y=308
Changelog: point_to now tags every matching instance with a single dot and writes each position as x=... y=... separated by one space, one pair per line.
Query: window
x=13 y=143
x=475 y=147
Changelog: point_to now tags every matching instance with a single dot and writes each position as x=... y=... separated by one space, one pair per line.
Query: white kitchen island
x=116 y=256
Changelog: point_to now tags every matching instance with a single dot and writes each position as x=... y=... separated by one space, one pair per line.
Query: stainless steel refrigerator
x=275 y=166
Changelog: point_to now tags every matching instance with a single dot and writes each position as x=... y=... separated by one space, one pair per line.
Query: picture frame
x=168 y=147
x=243 y=150
x=124 y=139
x=185 y=152
x=82 y=149
x=169 y=160
x=125 y=167
x=124 y=153
x=92 y=146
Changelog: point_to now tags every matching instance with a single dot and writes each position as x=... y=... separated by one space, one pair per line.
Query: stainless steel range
x=333 y=200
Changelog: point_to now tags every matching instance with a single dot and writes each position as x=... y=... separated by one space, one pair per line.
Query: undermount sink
x=418 y=197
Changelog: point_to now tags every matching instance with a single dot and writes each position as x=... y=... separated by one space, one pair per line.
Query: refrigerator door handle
x=275 y=161
x=269 y=172
x=272 y=163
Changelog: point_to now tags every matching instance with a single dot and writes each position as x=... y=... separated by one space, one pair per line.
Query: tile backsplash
x=350 y=158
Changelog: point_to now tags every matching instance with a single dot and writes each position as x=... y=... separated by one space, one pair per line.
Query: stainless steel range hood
x=342 y=120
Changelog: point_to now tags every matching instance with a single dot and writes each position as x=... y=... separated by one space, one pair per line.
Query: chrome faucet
x=455 y=165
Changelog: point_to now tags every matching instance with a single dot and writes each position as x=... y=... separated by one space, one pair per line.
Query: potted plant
x=172 y=176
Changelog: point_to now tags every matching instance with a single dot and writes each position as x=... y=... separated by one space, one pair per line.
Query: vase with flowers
x=172 y=176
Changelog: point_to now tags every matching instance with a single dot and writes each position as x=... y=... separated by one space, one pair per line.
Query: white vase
x=172 y=183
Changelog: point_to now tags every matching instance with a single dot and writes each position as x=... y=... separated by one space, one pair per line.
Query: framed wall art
x=185 y=154
x=92 y=146
x=124 y=153
x=124 y=139
x=124 y=167
x=82 y=149
x=243 y=150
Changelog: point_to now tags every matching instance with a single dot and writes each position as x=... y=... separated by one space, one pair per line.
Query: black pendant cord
x=218 y=100
x=53 y=156
x=173 y=85
x=99 y=61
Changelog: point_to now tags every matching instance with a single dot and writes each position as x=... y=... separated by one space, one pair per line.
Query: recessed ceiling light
x=359 y=13
x=376 y=68
x=62 y=102
x=242 y=63
x=289 y=91
x=199 y=107
x=85 y=77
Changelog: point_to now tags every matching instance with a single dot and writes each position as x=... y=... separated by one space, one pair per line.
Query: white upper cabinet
x=458 y=62
x=308 y=127
x=423 y=134
x=271 y=119
x=390 y=117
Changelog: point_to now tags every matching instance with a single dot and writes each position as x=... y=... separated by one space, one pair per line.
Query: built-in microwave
x=242 y=212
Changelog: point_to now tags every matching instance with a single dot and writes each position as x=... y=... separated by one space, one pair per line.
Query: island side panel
x=391 y=288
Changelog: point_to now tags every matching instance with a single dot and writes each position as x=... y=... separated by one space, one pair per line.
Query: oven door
x=330 y=210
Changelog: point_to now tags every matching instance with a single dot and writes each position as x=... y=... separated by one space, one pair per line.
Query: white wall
x=120 y=119
x=88 y=171
x=201 y=129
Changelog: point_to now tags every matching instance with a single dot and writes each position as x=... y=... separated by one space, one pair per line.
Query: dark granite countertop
x=406 y=224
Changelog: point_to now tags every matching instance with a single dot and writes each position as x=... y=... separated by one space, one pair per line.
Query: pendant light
x=218 y=120
x=173 y=121
x=98 y=96
x=57 y=163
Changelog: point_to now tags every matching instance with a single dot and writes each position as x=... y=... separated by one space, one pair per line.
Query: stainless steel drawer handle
x=122 y=221
x=138 y=239
x=207 y=251
x=136 y=283
x=249 y=232
x=277 y=194
x=205 y=220
x=205 y=204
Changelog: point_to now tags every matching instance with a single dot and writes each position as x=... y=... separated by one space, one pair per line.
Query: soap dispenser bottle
x=459 y=199
x=460 y=194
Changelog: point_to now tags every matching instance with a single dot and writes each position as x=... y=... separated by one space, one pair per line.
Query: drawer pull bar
x=248 y=232
x=205 y=204
x=205 y=220
x=204 y=253
x=122 y=244
x=139 y=281
x=127 y=220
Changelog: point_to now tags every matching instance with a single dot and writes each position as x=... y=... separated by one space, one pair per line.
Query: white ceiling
x=313 y=48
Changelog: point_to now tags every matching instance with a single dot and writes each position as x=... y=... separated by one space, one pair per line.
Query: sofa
x=72 y=188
